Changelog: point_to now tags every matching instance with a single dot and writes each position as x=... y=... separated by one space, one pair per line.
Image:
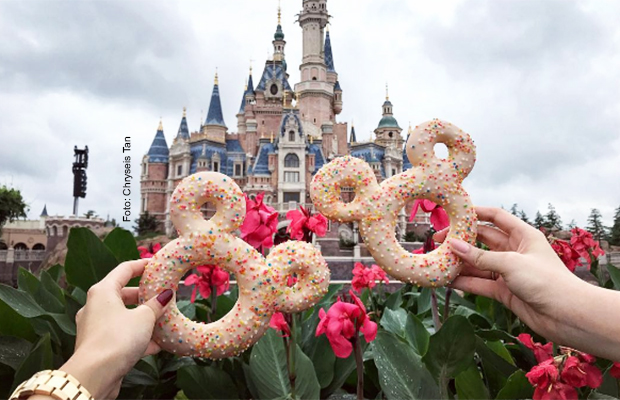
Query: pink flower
x=439 y=216
x=145 y=253
x=342 y=322
x=541 y=352
x=579 y=374
x=210 y=276
x=615 y=370
x=584 y=244
x=545 y=378
x=429 y=245
x=567 y=254
x=366 y=277
x=279 y=324
x=261 y=222
x=303 y=224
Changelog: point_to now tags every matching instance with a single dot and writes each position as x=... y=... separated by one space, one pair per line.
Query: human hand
x=110 y=337
x=521 y=271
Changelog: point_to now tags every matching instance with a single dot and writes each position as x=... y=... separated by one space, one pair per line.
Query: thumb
x=158 y=304
x=481 y=259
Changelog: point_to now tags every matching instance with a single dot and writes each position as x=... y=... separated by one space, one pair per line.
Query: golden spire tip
x=279 y=13
x=387 y=95
x=184 y=112
x=216 y=80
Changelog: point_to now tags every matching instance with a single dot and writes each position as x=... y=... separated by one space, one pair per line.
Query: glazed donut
x=376 y=207
x=261 y=281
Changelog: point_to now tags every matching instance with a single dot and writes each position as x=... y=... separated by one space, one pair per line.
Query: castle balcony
x=29 y=255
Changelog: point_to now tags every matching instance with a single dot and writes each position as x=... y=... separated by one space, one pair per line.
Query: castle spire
x=158 y=152
x=249 y=90
x=44 y=212
x=353 y=138
x=214 y=116
x=329 y=58
x=183 y=132
x=278 y=39
x=387 y=93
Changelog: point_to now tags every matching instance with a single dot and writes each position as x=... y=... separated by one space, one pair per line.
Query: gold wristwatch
x=57 y=384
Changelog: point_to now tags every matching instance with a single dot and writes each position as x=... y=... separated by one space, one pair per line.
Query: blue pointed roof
x=249 y=90
x=329 y=58
x=158 y=153
x=319 y=160
x=183 y=129
x=353 y=138
x=406 y=162
x=261 y=166
x=214 y=116
x=44 y=212
x=273 y=70
x=337 y=86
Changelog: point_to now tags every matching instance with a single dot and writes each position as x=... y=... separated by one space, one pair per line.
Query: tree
x=614 y=235
x=90 y=214
x=552 y=219
x=539 y=221
x=12 y=206
x=523 y=217
x=595 y=225
x=573 y=224
x=147 y=223
x=513 y=210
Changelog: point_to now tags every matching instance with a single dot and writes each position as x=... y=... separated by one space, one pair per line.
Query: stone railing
x=29 y=255
x=3 y=255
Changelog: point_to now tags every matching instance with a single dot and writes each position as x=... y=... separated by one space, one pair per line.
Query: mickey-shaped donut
x=262 y=281
x=376 y=207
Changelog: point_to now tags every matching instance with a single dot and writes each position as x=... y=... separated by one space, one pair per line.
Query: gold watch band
x=57 y=384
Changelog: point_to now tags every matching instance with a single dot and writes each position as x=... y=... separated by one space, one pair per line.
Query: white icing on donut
x=376 y=207
x=261 y=281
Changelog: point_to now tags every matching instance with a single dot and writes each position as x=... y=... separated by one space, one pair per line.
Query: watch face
x=274 y=89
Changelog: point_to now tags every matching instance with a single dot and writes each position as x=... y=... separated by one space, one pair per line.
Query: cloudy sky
x=536 y=84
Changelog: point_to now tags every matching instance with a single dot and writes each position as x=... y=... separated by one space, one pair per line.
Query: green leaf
x=187 y=308
x=394 y=321
x=469 y=384
x=496 y=334
x=323 y=358
x=451 y=349
x=474 y=317
x=269 y=371
x=122 y=245
x=135 y=377
x=496 y=369
x=14 y=324
x=343 y=367
x=500 y=350
x=402 y=374
x=614 y=273
x=48 y=282
x=416 y=334
x=39 y=359
x=394 y=301
x=424 y=301
x=88 y=260
x=13 y=350
x=27 y=282
x=595 y=395
x=517 y=387
x=206 y=382
x=25 y=306
x=56 y=271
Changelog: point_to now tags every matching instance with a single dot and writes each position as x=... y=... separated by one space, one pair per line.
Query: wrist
x=94 y=372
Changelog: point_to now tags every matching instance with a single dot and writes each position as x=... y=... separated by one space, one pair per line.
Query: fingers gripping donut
x=261 y=281
x=376 y=207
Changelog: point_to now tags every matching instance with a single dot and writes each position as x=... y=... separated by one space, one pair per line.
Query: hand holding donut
x=376 y=207
x=261 y=281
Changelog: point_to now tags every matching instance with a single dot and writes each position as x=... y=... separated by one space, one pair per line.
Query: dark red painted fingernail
x=164 y=297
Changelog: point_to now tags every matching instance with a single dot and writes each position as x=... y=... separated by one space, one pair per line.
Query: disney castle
x=284 y=132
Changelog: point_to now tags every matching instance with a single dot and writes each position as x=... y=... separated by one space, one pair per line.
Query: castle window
x=391 y=134
x=65 y=230
x=273 y=89
x=144 y=169
x=216 y=166
x=291 y=176
x=20 y=246
x=291 y=161
x=291 y=136
x=143 y=204
x=54 y=231
x=237 y=169
x=179 y=170
x=393 y=172
x=38 y=246
x=314 y=78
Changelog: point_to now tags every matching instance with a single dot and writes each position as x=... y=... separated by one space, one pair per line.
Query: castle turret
x=153 y=177
x=279 y=42
x=315 y=91
x=214 y=127
x=388 y=132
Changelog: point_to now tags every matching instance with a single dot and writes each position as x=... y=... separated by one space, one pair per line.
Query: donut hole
x=203 y=284
x=208 y=210
x=441 y=151
x=347 y=194
x=292 y=279
x=420 y=229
